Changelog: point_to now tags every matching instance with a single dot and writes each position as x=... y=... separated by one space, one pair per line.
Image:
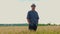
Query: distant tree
x=54 y=24
x=49 y=24
x=59 y=24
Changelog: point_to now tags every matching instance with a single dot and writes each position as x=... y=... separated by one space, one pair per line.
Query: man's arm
x=37 y=16
x=28 y=17
x=28 y=20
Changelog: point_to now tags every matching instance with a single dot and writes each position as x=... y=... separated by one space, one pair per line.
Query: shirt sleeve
x=28 y=16
x=37 y=16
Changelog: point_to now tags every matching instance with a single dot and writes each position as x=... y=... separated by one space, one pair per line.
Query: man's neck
x=33 y=10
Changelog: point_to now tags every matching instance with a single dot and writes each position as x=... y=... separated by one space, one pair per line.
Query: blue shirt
x=33 y=17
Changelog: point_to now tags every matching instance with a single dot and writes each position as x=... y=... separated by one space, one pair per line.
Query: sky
x=15 y=11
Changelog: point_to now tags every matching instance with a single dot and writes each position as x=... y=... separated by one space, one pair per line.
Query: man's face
x=33 y=7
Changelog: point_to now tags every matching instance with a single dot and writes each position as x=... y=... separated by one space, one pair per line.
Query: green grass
x=24 y=30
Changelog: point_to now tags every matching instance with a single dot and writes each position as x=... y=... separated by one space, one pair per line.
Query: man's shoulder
x=29 y=11
x=35 y=11
x=32 y=11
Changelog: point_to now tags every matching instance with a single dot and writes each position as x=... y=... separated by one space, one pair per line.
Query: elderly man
x=32 y=18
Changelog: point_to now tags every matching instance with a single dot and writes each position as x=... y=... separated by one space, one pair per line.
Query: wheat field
x=24 y=30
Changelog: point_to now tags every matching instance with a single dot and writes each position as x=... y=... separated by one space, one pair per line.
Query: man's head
x=33 y=6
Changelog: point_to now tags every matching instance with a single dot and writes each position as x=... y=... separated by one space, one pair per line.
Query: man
x=32 y=18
